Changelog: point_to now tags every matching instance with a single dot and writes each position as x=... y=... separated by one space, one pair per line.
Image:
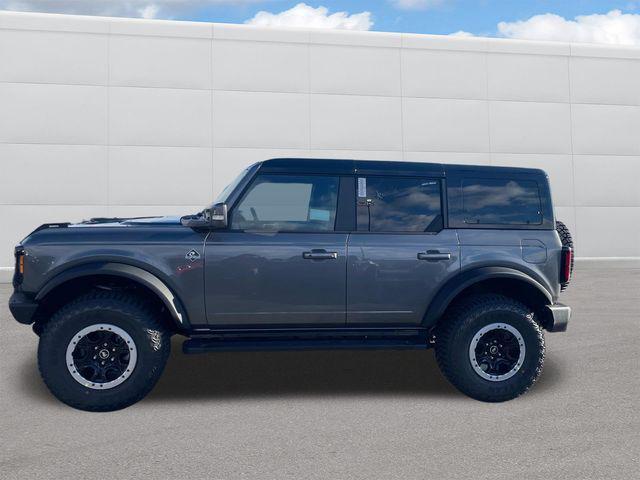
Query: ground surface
x=337 y=415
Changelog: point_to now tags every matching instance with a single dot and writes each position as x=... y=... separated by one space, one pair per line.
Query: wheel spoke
x=102 y=356
x=497 y=351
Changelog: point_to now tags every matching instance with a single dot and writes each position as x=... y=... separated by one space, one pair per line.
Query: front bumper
x=22 y=307
x=557 y=317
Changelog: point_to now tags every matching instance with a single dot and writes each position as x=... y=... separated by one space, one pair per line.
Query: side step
x=203 y=345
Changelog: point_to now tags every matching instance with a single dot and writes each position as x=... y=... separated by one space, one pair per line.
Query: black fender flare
x=465 y=279
x=140 y=275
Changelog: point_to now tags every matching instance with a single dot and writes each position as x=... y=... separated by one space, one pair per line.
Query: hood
x=52 y=231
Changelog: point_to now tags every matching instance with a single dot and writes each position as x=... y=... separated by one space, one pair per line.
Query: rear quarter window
x=505 y=201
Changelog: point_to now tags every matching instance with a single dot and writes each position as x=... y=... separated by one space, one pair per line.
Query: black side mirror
x=214 y=217
x=217 y=215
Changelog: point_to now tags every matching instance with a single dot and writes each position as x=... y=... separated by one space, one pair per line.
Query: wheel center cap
x=493 y=350
x=103 y=354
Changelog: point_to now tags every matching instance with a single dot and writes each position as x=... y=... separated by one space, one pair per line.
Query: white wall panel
x=158 y=116
x=537 y=78
x=53 y=174
x=530 y=127
x=445 y=125
x=607 y=181
x=457 y=158
x=132 y=117
x=53 y=57
x=129 y=211
x=260 y=120
x=160 y=28
x=355 y=122
x=260 y=66
x=605 y=80
x=608 y=231
x=444 y=74
x=354 y=70
x=160 y=62
x=606 y=129
x=55 y=23
x=160 y=175
x=40 y=113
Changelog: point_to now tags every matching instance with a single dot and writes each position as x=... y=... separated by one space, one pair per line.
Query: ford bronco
x=306 y=254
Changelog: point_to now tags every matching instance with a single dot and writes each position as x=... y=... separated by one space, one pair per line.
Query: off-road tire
x=567 y=241
x=129 y=313
x=455 y=334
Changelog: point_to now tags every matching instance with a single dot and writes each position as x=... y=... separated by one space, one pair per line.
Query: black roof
x=379 y=167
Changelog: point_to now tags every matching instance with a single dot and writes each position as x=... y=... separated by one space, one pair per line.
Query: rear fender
x=467 y=279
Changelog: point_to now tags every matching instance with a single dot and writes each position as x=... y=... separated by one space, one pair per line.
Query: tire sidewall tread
x=126 y=311
x=456 y=333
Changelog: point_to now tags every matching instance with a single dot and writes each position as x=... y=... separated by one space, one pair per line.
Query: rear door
x=401 y=254
x=281 y=262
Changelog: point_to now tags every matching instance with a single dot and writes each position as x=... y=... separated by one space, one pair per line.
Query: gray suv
x=306 y=254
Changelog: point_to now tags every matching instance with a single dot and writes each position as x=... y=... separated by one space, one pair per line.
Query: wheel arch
x=91 y=273
x=506 y=280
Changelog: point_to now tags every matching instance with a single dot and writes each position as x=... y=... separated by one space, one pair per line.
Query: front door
x=401 y=254
x=281 y=262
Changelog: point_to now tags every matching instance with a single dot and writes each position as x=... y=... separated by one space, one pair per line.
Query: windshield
x=224 y=194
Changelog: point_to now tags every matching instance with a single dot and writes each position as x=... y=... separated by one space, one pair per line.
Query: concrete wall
x=127 y=117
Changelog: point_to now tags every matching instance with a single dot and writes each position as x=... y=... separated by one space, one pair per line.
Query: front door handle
x=319 y=255
x=434 y=256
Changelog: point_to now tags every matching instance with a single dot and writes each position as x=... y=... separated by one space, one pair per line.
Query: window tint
x=388 y=204
x=288 y=203
x=501 y=201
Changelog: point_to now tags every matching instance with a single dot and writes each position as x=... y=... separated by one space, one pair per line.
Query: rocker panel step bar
x=204 y=345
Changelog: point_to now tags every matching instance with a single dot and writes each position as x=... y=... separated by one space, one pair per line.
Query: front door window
x=287 y=203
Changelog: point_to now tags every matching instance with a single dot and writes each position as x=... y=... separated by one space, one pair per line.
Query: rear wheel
x=102 y=352
x=490 y=347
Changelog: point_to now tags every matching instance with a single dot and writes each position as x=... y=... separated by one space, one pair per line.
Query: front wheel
x=102 y=352
x=490 y=347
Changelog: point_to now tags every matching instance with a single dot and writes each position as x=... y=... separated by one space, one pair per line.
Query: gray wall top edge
x=225 y=31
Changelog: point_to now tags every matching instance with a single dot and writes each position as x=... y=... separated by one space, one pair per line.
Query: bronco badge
x=192 y=255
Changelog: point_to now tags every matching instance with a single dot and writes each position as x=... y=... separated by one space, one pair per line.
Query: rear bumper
x=22 y=307
x=557 y=317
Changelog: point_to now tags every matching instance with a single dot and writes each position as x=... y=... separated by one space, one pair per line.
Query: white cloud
x=416 y=4
x=614 y=27
x=461 y=33
x=117 y=8
x=302 y=15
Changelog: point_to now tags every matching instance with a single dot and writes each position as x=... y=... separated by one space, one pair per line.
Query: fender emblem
x=192 y=255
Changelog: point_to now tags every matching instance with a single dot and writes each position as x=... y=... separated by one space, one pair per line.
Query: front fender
x=465 y=279
x=149 y=280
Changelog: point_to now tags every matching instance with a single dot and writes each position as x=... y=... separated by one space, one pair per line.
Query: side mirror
x=214 y=217
x=217 y=215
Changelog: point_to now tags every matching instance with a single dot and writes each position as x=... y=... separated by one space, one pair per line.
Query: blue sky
x=599 y=21
x=476 y=16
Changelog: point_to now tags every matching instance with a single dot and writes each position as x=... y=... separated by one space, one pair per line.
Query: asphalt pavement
x=347 y=415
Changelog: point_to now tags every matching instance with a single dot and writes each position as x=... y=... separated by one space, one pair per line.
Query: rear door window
x=399 y=204
x=501 y=202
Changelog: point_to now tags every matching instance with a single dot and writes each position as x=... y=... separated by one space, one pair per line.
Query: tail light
x=19 y=267
x=565 y=264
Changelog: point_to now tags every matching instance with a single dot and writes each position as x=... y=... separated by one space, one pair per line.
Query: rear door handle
x=434 y=256
x=319 y=255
